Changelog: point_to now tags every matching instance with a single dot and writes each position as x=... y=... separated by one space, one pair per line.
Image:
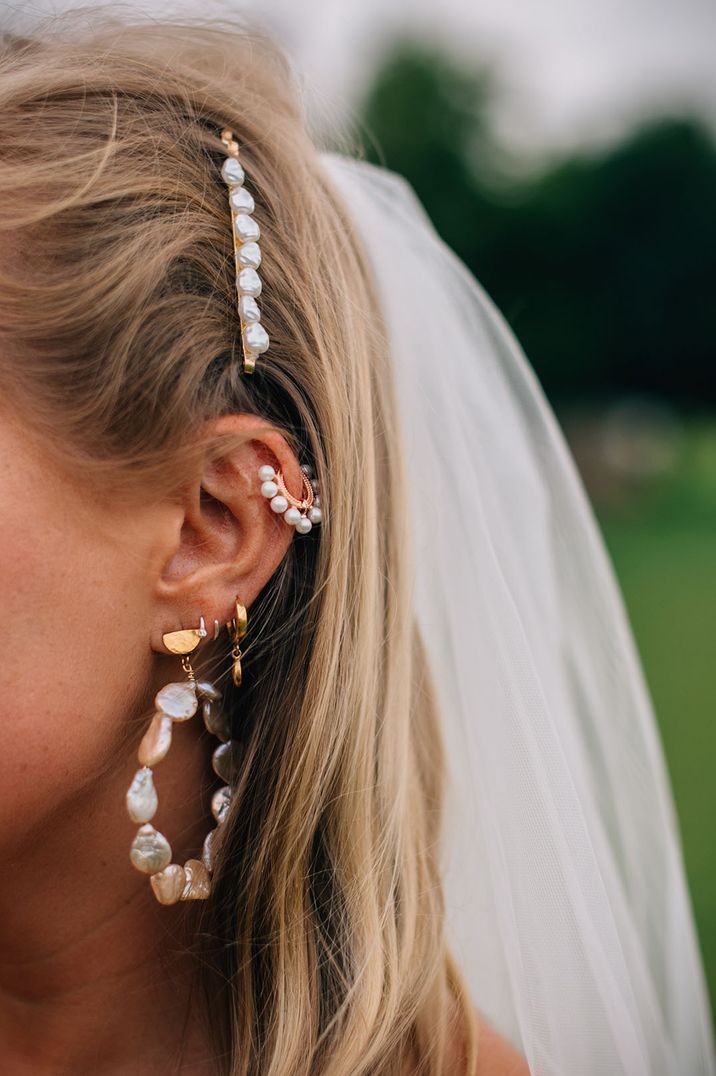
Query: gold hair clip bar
x=247 y=253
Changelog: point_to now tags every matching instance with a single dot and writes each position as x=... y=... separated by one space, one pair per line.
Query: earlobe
x=229 y=540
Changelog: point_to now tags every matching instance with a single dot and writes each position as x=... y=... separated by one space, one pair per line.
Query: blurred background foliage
x=604 y=263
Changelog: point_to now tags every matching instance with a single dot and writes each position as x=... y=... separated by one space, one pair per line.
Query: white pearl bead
x=232 y=172
x=304 y=525
x=168 y=884
x=269 y=489
x=242 y=200
x=220 y=802
x=156 y=740
x=292 y=516
x=150 y=851
x=266 y=472
x=255 y=337
x=315 y=515
x=279 y=503
x=249 y=308
x=179 y=701
x=198 y=883
x=142 y=800
x=249 y=255
x=249 y=282
x=246 y=227
x=207 y=852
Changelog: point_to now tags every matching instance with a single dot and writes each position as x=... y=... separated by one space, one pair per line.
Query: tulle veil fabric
x=566 y=897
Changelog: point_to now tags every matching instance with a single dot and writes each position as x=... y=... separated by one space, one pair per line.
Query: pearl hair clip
x=301 y=513
x=247 y=253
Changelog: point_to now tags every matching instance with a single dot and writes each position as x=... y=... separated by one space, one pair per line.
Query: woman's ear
x=224 y=540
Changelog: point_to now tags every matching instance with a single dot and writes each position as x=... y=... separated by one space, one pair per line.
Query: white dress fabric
x=566 y=897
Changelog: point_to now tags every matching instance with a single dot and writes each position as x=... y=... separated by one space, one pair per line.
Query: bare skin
x=93 y=976
x=496 y=1057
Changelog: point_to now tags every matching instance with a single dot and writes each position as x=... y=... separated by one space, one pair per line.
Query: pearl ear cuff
x=301 y=513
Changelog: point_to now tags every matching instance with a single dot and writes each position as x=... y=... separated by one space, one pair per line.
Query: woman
x=205 y=426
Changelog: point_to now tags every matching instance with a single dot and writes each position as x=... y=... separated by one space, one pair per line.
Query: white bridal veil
x=566 y=896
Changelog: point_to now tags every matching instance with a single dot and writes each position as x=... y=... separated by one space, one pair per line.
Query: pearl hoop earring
x=301 y=513
x=151 y=852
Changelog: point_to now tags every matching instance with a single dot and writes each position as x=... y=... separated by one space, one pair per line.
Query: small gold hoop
x=237 y=626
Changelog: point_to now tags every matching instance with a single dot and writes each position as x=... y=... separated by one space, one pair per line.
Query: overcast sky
x=571 y=70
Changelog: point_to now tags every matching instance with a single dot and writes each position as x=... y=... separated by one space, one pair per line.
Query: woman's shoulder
x=495 y=1055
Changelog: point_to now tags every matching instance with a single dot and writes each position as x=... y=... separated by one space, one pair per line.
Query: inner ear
x=227 y=541
x=212 y=507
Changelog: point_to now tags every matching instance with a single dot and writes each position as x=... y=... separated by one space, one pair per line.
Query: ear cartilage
x=302 y=513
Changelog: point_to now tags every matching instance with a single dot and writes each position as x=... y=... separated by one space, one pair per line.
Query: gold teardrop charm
x=236 y=667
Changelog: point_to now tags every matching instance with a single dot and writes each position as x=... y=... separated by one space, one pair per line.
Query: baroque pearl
x=249 y=282
x=279 y=503
x=220 y=803
x=249 y=308
x=177 y=700
x=266 y=472
x=225 y=761
x=216 y=721
x=207 y=851
x=156 y=740
x=255 y=338
x=207 y=690
x=142 y=799
x=304 y=525
x=292 y=516
x=246 y=227
x=232 y=172
x=198 y=883
x=250 y=255
x=269 y=489
x=242 y=200
x=168 y=884
x=150 y=851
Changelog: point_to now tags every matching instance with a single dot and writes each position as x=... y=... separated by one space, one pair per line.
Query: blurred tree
x=605 y=265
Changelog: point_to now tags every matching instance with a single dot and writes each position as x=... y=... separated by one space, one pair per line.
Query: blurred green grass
x=664 y=551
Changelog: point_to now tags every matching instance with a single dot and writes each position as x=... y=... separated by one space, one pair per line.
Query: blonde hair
x=119 y=337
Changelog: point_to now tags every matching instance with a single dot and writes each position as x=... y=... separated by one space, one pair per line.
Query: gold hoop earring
x=237 y=627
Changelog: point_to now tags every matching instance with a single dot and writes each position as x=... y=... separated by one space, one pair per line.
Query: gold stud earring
x=185 y=642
